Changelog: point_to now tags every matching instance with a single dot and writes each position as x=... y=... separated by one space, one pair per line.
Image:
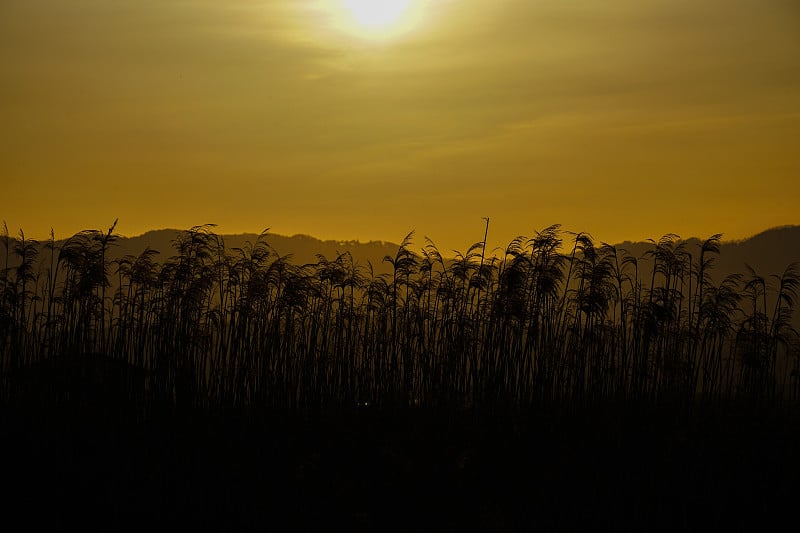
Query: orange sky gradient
x=624 y=118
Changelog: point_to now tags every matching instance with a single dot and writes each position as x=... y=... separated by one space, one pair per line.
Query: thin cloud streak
x=510 y=106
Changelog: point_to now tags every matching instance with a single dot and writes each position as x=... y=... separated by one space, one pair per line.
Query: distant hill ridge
x=302 y=248
x=768 y=252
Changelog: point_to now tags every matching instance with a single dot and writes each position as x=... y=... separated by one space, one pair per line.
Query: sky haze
x=627 y=119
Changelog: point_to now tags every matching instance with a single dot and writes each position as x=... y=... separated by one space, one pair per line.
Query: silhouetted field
x=560 y=386
x=606 y=469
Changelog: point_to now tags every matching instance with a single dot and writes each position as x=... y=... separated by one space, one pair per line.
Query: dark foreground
x=606 y=469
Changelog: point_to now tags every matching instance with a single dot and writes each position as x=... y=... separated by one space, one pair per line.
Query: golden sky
x=624 y=118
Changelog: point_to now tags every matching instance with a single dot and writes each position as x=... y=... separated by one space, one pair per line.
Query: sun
x=376 y=14
x=376 y=19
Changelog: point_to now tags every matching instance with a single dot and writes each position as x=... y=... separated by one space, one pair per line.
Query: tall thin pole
x=485 y=236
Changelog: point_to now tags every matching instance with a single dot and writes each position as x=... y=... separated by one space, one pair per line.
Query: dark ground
x=601 y=469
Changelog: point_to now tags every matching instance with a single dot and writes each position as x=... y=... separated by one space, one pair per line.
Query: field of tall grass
x=561 y=384
x=555 y=319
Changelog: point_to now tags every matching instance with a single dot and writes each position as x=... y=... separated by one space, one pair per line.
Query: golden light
x=375 y=14
x=377 y=19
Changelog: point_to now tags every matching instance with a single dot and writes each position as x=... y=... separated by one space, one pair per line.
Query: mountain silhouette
x=768 y=252
x=303 y=249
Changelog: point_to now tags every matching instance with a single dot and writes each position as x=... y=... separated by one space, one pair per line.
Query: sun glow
x=378 y=18
x=376 y=13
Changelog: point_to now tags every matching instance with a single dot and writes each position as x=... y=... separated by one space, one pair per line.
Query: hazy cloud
x=691 y=103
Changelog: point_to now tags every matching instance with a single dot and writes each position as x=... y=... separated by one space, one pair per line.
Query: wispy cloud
x=539 y=96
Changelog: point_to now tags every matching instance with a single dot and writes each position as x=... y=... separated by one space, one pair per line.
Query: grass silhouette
x=240 y=388
x=213 y=326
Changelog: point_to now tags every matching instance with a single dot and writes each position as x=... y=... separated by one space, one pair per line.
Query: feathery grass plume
x=6 y=299
x=219 y=326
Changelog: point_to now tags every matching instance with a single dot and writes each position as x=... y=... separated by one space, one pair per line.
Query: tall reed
x=555 y=318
